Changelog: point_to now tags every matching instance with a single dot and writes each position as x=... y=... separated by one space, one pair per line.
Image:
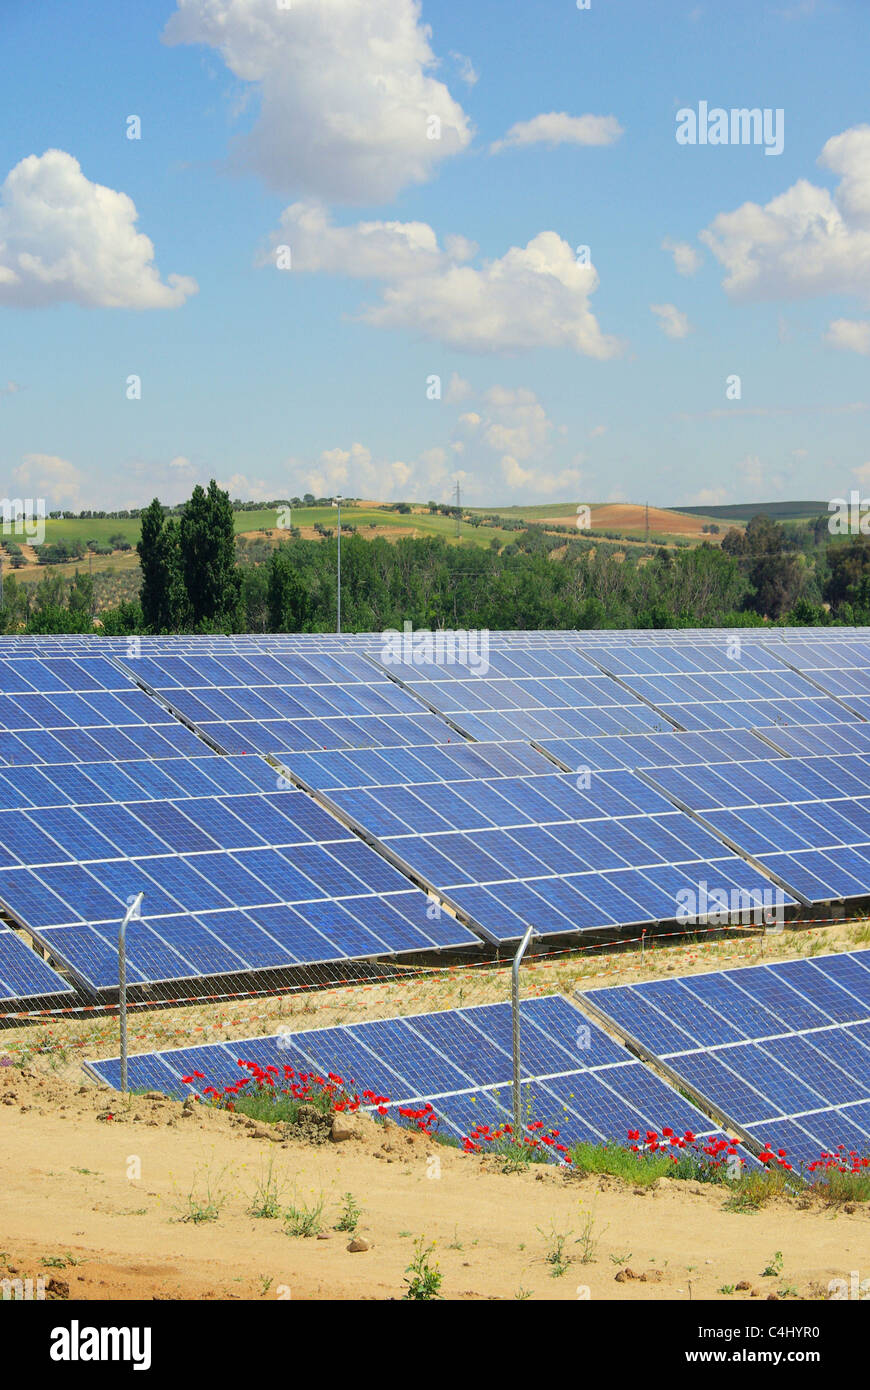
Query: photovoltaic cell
x=575 y=1078
x=783 y=1050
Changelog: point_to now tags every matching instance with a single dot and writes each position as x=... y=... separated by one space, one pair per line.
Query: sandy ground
x=98 y=1204
x=71 y=1211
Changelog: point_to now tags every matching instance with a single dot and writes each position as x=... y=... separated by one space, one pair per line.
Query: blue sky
x=306 y=127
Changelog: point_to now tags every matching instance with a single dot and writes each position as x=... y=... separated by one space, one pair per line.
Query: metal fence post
x=132 y=911
x=515 y=1006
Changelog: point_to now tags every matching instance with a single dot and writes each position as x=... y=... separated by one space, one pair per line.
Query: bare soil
x=98 y=1195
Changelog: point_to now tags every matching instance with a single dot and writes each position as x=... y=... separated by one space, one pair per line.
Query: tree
x=208 y=557
x=162 y=594
x=849 y=564
x=288 y=602
x=734 y=541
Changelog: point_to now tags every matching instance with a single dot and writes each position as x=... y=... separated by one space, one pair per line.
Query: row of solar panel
x=784 y=1050
x=22 y=974
x=576 y=1078
x=252 y=938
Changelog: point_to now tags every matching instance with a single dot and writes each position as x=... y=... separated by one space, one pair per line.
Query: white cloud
x=246 y=489
x=518 y=424
x=345 y=92
x=357 y=472
x=709 y=497
x=862 y=472
x=514 y=430
x=533 y=296
x=597 y=431
x=63 y=238
x=672 y=321
x=687 y=260
x=466 y=68
x=379 y=250
x=558 y=128
x=852 y=335
x=458 y=389
x=52 y=478
x=806 y=241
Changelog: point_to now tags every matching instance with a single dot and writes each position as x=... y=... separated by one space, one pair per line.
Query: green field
x=369 y=521
x=373 y=521
x=744 y=511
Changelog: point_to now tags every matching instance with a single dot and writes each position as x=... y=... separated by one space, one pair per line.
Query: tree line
x=197 y=576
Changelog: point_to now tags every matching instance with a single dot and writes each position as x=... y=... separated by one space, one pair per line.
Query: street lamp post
x=337 y=503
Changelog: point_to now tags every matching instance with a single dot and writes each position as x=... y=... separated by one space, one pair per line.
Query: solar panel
x=782 y=1050
x=246 y=880
x=806 y=820
x=544 y=851
x=654 y=750
x=23 y=975
x=56 y=709
x=529 y=694
x=270 y=703
x=574 y=1076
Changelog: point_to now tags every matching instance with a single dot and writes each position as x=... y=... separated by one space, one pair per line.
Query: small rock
x=358 y=1244
x=153 y=1095
x=343 y=1128
x=773 y=1298
x=624 y=1275
x=743 y=1285
x=651 y=1276
x=324 y=1235
x=57 y=1288
x=663 y=1184
x=756 y=1293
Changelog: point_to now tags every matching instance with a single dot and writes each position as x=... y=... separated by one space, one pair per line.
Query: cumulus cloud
x=513 y=432
x=687 y=260
x=52 y=478
x=63 y=238
x=357 y=472
x=672 y=321
x=348 y=108
x=533 y=296
x=458 y=389
x=805 y=241
x=466 y=68
x=851 y=335
x=709 y=497
x=558 y=128
x=246 y=489
x=379 y=250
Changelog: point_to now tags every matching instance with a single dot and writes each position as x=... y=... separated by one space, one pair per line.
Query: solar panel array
x=22 y=974
x=575 y=1077
x=237 y=875
x=806 y=820
x=543 y=782
x=540 y=850
x=259 y=702
x=783 y=1050
x=56 y=709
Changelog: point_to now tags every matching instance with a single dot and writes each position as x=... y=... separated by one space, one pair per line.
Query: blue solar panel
x=783 y=1050
x=575 y=1077
x=23 y=975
